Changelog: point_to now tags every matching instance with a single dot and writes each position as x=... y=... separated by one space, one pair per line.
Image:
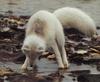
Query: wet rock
x=48 y=55
x=11 y=56
x=21 y=78
x=51 y=56
x=91 y=60
x=5 y=72
x=1 y=80
x=98 y=27
x=79 y=48
x=24 y=17
x=81 y=52
x=44 y=55
x=89 y=78
x=95 y=50
x=31 y=77
x=19 y=59
x=78 y=72
x=98 y=66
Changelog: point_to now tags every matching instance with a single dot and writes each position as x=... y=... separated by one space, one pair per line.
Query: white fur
x=75 y=18
x=34 y=40
x=51 y=35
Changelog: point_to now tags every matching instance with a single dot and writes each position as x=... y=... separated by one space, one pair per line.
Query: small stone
x=81 y=52
x=51 y=56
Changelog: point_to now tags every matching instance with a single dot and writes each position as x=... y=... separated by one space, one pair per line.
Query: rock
x=51 y=56
x=6 y=71
x=89 y=78
x=81 y=52
x=78 y=72
x=95 y=50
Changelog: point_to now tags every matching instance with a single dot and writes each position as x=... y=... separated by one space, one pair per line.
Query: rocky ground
x=80 y=50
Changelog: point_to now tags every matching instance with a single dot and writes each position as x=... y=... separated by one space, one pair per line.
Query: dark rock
x=89 y=78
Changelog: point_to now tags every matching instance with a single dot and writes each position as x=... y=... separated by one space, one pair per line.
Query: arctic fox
x=43 y=31
x=75 y=18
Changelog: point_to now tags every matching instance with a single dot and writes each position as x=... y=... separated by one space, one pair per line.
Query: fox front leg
x=26 y=63
x=58 y=55
x=64 y=57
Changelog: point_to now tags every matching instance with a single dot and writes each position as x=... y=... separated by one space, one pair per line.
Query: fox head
x=33 y=45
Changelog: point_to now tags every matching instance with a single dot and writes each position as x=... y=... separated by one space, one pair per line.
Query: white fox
x=44 y=30
x=75 y=18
